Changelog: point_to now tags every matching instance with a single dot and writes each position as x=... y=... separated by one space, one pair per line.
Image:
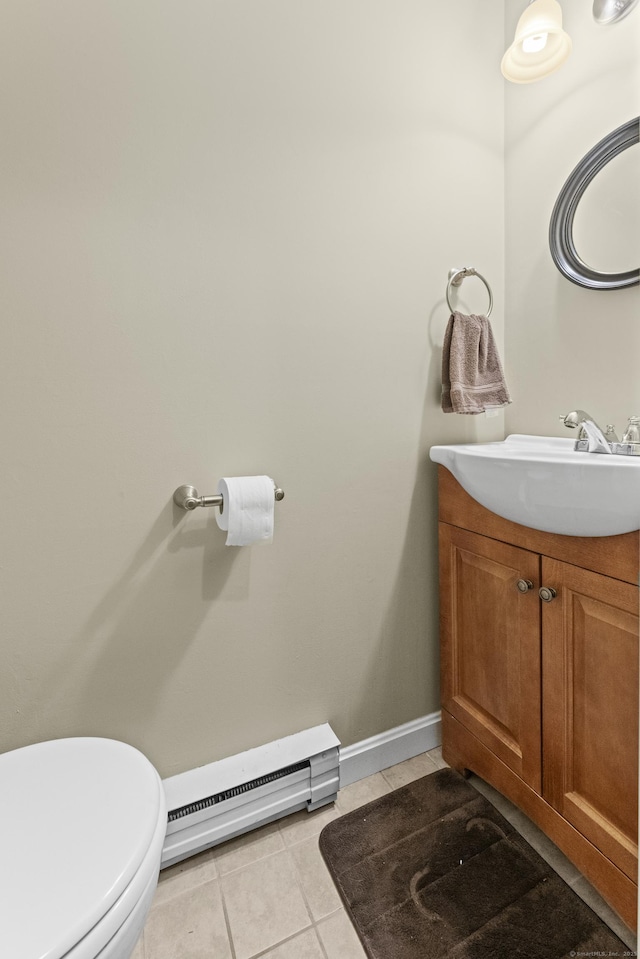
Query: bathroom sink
x=542 y=482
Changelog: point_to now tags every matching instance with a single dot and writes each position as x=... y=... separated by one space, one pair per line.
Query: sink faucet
x=598 y=442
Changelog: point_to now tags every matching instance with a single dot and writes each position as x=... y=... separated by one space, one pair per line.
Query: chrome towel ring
x=456 y=276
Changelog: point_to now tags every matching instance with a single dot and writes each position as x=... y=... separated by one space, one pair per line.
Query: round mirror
x=561 y=229
x=608 y=217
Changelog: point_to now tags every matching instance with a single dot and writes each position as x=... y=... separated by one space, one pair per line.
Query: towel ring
x=456 y=276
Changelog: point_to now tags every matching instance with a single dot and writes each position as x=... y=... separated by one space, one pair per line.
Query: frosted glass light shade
x=529 y=59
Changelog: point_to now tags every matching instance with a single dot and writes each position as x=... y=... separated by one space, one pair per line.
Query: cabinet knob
x=547 y=593
x=524 y=585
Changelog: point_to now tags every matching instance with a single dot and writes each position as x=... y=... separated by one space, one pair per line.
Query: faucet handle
x=632 y=432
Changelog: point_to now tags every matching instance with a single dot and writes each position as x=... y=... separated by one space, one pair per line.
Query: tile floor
x=268 y=894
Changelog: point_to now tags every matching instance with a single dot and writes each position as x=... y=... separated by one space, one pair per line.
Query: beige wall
x=226 y=233
x=566 y=346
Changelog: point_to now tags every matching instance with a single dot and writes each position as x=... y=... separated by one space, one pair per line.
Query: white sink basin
x=542 y=482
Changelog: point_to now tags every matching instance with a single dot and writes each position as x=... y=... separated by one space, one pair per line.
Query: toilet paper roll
x=248 y=509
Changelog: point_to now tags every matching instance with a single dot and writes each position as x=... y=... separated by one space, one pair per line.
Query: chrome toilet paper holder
x=187 y=497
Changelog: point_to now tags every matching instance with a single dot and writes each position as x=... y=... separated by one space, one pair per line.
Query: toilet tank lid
x=77 y=818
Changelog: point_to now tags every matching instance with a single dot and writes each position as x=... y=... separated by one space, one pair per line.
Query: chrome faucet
x=597 y=441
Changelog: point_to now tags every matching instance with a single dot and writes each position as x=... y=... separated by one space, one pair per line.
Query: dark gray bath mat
x=433 y=871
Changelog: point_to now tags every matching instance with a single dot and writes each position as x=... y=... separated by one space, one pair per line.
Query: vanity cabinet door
x=590 y=707
x=490 y=645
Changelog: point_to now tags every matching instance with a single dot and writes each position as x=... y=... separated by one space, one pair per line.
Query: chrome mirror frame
x=563 y=251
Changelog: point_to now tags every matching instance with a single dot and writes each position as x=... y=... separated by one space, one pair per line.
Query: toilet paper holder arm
x=187 y=497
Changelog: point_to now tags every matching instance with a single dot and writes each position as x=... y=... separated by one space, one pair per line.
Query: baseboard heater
x=213 y=803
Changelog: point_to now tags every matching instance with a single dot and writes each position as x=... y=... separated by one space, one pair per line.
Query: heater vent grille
x=220 y=800
x=201 y=804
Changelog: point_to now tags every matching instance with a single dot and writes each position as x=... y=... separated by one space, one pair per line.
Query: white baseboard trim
x=386 y=749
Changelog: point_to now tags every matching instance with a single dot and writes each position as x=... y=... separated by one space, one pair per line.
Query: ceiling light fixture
x=540 y=45
x=608 y=11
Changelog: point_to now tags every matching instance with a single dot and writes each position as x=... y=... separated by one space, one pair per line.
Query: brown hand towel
x=472 y=375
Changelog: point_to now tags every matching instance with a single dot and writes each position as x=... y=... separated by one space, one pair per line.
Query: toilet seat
x=139 y=892
x=82 y=822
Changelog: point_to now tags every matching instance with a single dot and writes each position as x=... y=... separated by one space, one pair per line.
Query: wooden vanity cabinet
x=539 y=698
x=490 y=646
x=590 y=708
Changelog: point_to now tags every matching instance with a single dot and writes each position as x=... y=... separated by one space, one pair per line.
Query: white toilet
x=82 y=825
